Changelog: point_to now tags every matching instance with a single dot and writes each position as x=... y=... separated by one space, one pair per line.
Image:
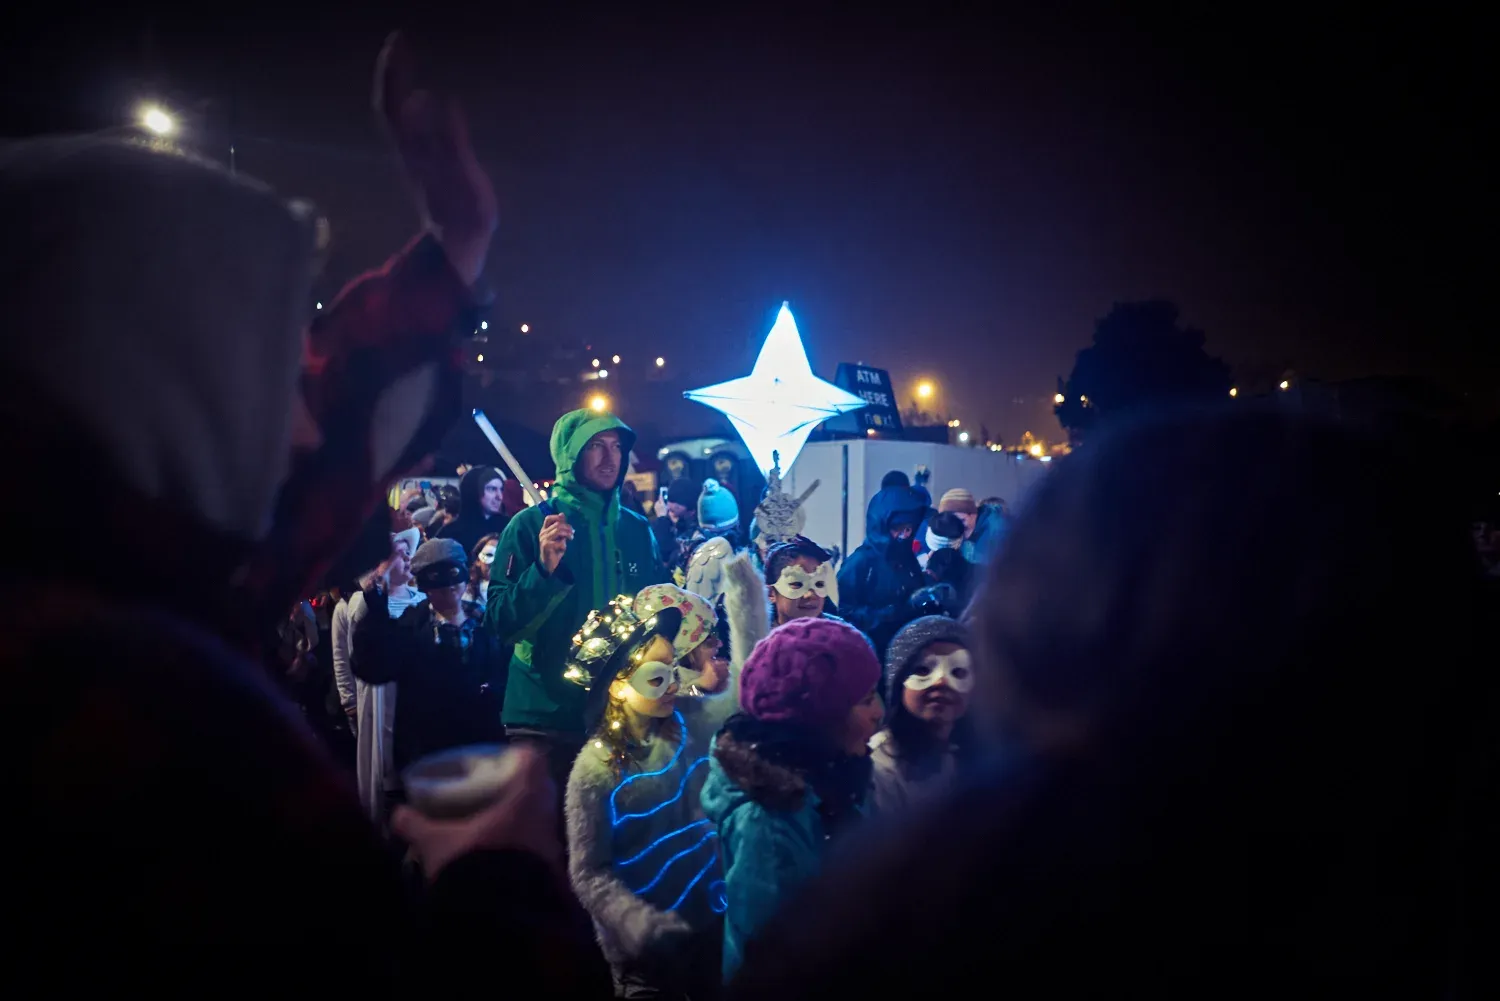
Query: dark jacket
x=675 y=541
x=878 y=577
x=451 y=679
x=612 y=553
x=474 y=522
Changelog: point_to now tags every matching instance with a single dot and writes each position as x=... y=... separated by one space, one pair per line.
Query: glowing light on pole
x=924 y=390
x=778 y=404
x=598 y=403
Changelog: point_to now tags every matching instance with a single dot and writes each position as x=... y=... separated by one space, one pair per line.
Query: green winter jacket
x=612 y=552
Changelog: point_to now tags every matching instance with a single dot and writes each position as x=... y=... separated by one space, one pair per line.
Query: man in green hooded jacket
x=557 y=562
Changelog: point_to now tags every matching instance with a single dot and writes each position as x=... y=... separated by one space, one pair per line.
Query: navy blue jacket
x=878 y=577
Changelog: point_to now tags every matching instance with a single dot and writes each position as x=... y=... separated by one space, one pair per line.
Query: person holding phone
x=556 y=562
x=676 y=522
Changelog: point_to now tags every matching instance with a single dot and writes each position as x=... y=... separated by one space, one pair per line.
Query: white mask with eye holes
x=796 y=582
x=954 y=669
x=487 y=554
x=652 y=679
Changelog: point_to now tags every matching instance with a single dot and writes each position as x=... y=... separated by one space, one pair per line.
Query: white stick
x=510 y=460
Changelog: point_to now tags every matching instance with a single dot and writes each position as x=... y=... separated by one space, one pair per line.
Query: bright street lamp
x=660 y=362
x=1234 y=391
x=615 y=359
x=157 y=121
x=525 y=328
x=1058 y=399
x=1285 y=384
x=924 y=390
x=963 y=436
x=596 y=363
x=598 y=403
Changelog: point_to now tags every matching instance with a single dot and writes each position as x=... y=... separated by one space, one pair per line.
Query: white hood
x=160 y=304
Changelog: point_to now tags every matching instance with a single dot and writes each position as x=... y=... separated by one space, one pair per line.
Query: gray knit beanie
x=910 y=641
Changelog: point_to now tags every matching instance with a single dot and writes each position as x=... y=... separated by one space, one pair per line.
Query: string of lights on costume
x=643 y=859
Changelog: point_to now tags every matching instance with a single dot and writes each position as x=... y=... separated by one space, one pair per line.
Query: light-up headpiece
x=603 y=633
x=796 y=582
x=955 y=669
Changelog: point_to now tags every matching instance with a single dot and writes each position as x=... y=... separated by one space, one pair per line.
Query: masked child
x=643 y=859
x=928 y=681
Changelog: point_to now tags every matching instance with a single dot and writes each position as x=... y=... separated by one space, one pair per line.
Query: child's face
x=711 y=665
x=651 y=689
x=937 y=691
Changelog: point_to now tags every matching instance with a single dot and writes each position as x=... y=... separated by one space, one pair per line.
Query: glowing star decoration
x=778 y=404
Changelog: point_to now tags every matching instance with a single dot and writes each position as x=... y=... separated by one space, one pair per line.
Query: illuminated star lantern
x=778 y=404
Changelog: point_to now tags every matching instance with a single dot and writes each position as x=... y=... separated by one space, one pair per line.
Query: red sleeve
x=413 y=311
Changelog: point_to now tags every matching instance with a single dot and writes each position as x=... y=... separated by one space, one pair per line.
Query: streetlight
x=660 y=362
x=963 y=436
x=156 y=121
x=924 y=390
x=484 y=324
x=604 y=373
x=1037 y=450
x=1058 y=399
x=596 y=363
x=480 y=358
x=615 y=359
x=525 y=328
x=1285 y=384
x=598 y=403
x=1234 y=391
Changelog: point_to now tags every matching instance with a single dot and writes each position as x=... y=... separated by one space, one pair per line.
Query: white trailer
x=850 y=473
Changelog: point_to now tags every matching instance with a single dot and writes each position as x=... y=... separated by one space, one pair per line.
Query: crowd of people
x=1203 y=717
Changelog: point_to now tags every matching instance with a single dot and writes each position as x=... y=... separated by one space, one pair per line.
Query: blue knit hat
x=718 y=511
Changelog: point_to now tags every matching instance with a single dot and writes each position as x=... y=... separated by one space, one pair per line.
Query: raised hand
x=554 y=538
x=454 y=195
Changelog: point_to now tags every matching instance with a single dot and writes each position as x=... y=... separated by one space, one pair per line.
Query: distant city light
x=1083 y=399
x=1037 y=450
x=963 y=436
x=525 y=328
x=615 y=359
x=953 y=423
x=1285 y=384
x=596 y=362
x=320 y=305
x=480 y=358
x=484 y=324
x=924 y=390
x=1045 y=458
x=660 y=362
x=157 y=121
x=598 y=403
x=1234 y=391
x=1058 y=399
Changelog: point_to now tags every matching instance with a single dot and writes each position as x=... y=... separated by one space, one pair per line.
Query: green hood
x=573 y=431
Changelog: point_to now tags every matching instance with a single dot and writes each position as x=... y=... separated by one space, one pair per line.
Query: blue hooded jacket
x=878 y=577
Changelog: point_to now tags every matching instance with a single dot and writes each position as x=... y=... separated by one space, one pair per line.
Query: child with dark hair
x=928 y=678
x=793 y=771
x=799 y=580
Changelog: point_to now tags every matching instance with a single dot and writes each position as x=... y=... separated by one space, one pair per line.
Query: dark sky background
x=943 y=194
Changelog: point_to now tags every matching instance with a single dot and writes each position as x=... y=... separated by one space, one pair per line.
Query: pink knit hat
x=810 y=671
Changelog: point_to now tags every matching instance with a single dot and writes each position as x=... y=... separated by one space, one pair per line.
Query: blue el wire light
x=658 y=843
x=694 y=882
x=668 y=864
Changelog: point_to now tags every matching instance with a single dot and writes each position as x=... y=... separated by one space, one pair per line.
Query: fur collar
x=774 y=786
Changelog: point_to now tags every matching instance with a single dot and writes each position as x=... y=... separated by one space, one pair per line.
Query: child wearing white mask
x=929 y=679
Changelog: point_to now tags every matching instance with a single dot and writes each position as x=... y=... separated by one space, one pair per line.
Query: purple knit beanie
x=810 y=671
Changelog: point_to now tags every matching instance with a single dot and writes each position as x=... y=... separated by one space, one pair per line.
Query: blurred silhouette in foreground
x=1247 y=747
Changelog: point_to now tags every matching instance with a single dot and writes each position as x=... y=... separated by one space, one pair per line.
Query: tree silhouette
x=1140 y=358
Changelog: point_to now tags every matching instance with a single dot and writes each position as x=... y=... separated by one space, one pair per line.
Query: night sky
x=957 y=197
